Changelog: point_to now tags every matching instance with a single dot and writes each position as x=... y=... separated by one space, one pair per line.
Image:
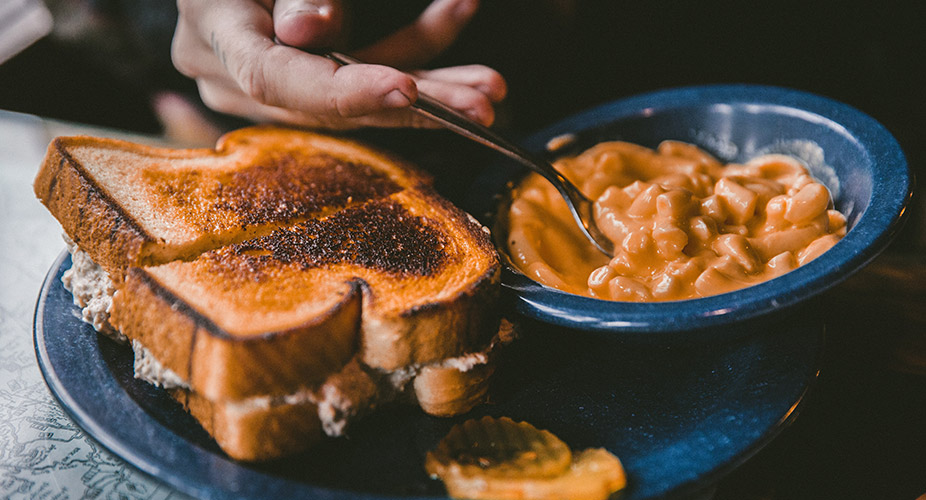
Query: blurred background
x=107 y=63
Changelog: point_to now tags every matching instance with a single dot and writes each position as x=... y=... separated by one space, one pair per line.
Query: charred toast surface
x=166 y=204
x=231 y=254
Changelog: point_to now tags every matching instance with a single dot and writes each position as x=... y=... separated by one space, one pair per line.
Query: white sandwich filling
x=93 y=292
x=149 y=369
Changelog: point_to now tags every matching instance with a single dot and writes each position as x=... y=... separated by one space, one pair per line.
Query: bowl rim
x=875 y=228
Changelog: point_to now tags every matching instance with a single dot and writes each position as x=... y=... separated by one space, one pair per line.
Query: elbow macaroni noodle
x=684 y=225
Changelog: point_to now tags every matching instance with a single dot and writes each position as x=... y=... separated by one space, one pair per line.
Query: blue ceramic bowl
x=857 y=158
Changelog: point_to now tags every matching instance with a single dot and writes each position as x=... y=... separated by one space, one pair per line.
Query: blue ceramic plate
x=850 y=152
x=678 y=418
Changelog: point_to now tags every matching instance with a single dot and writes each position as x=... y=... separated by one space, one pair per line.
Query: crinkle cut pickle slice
x=502 y=459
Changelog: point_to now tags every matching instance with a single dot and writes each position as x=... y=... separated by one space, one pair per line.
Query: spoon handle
x=579 y=205
x=461 y=124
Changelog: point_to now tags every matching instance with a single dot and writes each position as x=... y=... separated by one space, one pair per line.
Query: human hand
x=247 y=59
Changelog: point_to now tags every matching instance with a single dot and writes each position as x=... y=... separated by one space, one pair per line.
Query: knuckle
x=354 y=89
x=340 y=106
x=258 y=75
x=252 y=80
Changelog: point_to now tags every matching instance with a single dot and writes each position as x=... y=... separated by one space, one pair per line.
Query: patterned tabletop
x=42 y=453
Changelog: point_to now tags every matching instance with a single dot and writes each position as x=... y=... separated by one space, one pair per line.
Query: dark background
x=559 y=57
x=862 y=434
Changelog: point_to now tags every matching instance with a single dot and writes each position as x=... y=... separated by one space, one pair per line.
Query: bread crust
x=92 y=219
x=403 y=334
x=446 y=391
x=267 y=428
x=221 y=366
x=257 y=433
x=432 y=331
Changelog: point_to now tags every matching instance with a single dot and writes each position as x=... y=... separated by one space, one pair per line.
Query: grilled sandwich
x=281 y=285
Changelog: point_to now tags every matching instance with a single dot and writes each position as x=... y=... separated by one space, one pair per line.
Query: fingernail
x=476 y=116
x=396 y=99
x=313 y=10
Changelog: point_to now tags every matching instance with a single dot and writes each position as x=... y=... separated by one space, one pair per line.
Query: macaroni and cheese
x=684 y=225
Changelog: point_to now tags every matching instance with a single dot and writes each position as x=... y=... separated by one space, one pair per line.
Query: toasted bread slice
x=288 y=345
x=255 y=430
x=268 y=426
x=265 y=427
x=442 y=388
x=129 y=205
x=280 y=312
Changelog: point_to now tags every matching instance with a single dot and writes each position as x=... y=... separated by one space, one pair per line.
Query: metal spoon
x=579 y=205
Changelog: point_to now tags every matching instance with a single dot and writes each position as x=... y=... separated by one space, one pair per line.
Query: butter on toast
x=259 y=271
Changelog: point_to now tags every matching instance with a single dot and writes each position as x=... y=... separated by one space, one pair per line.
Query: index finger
x=241 y=35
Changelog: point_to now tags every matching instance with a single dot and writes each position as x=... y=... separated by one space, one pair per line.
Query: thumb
x=308 y=23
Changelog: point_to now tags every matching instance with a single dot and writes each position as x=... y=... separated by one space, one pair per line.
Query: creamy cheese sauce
x=684 y=225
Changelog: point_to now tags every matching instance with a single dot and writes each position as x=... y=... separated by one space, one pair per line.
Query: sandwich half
x=281 y=285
